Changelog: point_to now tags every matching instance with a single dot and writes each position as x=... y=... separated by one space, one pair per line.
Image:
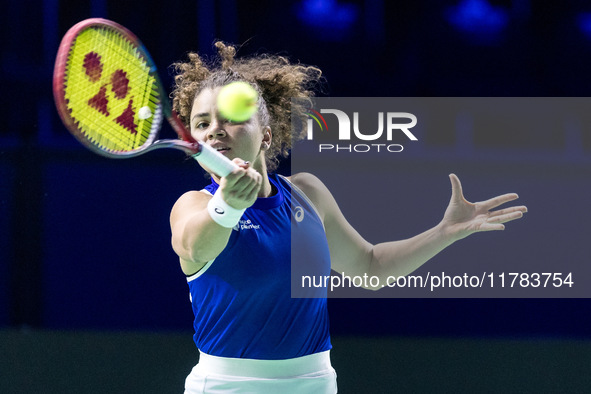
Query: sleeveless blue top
x=242 y=300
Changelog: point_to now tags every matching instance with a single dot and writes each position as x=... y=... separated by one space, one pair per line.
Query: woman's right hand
x=241 y=187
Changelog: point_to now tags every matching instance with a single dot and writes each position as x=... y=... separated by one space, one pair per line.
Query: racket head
x=106 y=89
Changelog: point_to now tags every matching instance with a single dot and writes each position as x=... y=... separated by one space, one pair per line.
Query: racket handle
x=213 y=160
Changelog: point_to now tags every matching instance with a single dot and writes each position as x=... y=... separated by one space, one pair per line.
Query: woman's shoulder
x=307 y=182
x=194 y=195
x=313 y=187
x=191 y=200
x=305 y=179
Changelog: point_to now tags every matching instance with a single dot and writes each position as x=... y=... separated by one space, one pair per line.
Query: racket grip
x=214 y=160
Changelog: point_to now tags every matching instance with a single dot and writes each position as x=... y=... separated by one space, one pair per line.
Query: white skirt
x=308 y=374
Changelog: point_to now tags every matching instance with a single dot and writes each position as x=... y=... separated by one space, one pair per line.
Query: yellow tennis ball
x=237 y=101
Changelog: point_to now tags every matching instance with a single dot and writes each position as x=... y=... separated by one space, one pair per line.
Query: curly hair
x=276 y=80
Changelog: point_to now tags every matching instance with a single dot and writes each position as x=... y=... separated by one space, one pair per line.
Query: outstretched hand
x=463 y=218
x=240 y=187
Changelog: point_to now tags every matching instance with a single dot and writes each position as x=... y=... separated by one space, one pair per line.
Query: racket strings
x=108 y=81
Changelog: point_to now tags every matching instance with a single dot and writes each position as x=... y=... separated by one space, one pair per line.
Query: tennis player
x=233 y=237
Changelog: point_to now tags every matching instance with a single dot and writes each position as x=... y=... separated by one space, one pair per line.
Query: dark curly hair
x=276 y=80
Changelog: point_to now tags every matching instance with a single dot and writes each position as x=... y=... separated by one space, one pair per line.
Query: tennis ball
x=237 y=101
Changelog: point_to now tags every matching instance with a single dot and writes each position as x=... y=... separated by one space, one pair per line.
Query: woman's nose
x=216 y=131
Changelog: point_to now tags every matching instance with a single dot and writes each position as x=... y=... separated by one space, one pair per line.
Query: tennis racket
x=109 y=96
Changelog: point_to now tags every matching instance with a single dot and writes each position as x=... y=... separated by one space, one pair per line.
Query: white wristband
x=222 y=213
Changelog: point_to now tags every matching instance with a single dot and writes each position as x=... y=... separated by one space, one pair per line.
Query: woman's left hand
x=463 y=218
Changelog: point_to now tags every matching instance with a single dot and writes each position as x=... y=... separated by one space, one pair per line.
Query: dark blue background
x=85 y=242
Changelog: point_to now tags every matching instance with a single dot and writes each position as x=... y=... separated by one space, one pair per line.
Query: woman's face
x=247 y=140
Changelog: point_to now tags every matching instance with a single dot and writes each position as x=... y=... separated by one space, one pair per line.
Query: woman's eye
x=202 y=125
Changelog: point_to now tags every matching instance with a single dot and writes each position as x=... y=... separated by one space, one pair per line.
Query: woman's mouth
x=222 y=149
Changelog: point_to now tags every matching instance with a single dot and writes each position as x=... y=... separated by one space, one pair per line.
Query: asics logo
x=299 y=214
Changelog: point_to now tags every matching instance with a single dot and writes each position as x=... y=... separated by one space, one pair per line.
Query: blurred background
x=91 y=295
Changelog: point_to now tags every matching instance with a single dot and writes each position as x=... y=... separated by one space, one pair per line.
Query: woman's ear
x=267 y=138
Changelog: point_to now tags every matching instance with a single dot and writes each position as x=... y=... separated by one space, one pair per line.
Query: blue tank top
x=242 y=300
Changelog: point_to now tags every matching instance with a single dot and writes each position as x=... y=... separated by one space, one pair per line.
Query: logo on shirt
x=299 y=214
x=246 y=225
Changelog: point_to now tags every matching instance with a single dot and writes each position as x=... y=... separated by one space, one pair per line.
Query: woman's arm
x=196 y=237
x=353 y=255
